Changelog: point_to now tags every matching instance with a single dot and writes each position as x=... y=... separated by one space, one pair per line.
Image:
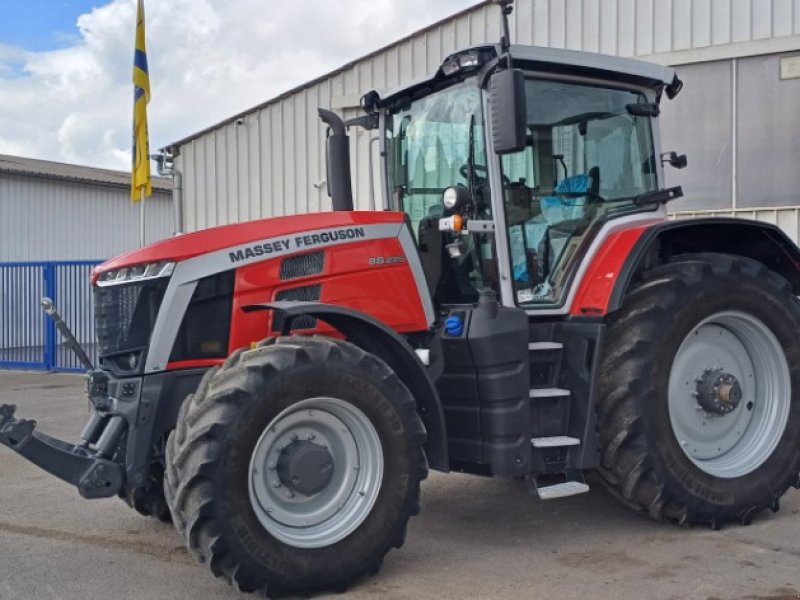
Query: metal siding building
x=737 y=119
x=51 y=211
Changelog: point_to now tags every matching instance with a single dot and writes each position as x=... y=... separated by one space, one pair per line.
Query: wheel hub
x=315 y=472
x=305 y=467
x=718 y=393
x=728 y=419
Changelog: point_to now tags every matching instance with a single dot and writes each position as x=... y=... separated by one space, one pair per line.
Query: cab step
x=549 y=393
x=556 y=441
x=534 y=346
x=561 y=490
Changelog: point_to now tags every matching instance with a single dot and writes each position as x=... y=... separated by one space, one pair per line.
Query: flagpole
x=141 y=216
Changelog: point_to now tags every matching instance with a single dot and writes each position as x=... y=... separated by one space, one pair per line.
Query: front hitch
x=86 y=469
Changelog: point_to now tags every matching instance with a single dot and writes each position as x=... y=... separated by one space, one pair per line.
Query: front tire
x=295 y=466
x=148 y=500
x=699 y=392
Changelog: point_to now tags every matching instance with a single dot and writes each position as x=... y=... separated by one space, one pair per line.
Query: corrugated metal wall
x=46 y=219
x=271 y=161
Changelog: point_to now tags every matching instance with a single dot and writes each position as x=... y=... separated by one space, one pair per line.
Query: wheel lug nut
x=310 y=436
x=289 y=494
x=277 y=484
x=273 y=466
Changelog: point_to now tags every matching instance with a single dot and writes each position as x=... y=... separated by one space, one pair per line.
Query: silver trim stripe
x=412 y=255
x=608 y=228
x=184 y=279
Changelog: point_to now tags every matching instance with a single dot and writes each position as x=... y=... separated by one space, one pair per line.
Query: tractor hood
x=238 y=237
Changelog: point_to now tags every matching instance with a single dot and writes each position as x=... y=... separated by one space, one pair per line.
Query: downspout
x=177 y=201
x=166 y=167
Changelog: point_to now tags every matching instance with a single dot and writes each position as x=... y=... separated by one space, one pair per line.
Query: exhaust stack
x=337 y=151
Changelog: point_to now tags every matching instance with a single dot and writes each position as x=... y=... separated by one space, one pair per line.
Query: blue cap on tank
x=454 y=326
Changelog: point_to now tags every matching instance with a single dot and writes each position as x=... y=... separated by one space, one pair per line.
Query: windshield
x=429 y=147
x=585 y=160
x=434 y=143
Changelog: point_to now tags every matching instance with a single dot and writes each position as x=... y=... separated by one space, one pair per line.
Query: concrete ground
x=475 y=538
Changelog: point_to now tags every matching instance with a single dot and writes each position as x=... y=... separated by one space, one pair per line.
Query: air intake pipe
x=337 y=152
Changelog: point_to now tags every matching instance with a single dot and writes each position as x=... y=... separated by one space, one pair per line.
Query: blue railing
x=28 y=337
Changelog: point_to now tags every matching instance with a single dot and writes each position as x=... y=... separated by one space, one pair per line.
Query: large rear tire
x=295 y=466
x=699 y=392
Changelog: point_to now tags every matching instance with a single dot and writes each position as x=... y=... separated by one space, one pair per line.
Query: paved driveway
x=475 y=538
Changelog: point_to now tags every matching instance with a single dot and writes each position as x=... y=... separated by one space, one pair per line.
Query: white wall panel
x=761 y=17
x=46 y=219
x=796 y=16
x=626 y=27
x=700 y=23
x=720 y=22
x=273 y=163
x=682 y=30
x=781 y=17
x=591 y=26
x=741 y=22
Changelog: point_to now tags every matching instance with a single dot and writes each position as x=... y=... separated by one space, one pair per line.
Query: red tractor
x=521 y=308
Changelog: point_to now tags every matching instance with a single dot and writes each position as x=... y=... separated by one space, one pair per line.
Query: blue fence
x=28 y=337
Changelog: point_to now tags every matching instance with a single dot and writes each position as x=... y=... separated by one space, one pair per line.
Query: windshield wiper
x=652 y=197
x=594 y=195
x=657 y=196
x=471 y=156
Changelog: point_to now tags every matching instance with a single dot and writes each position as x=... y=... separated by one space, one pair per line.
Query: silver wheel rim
x=736 y=443
x=328 y=516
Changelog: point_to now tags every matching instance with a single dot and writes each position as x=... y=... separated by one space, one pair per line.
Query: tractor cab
x=508 y=161
x=514 y=166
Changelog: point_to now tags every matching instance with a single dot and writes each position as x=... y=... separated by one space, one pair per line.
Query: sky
x=65 y=65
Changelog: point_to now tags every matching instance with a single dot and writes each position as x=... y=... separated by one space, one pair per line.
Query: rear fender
x=660 y=243
x=374 y=337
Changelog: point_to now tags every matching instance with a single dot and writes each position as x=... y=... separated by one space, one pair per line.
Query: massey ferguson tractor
x=520 y=306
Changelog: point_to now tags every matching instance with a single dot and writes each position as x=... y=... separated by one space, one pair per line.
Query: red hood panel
x=186 y=246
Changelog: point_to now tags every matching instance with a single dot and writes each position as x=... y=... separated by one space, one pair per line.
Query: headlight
x=450 y=198
x=469 y=59
x=154 y=270
x=456 y=197
x=466 y=60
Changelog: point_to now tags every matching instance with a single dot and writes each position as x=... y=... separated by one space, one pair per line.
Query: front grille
x=306 y=293
x=302 y=265
x=126 y=314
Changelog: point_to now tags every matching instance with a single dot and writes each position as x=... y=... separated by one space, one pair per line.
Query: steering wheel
x=481 y=173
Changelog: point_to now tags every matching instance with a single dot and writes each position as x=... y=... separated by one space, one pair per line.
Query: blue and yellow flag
x=141 y=96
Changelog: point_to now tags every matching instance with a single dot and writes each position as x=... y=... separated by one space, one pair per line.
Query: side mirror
x=508 y=111
x=677 y=161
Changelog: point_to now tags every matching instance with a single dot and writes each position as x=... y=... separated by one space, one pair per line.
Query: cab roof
x=538 y=58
